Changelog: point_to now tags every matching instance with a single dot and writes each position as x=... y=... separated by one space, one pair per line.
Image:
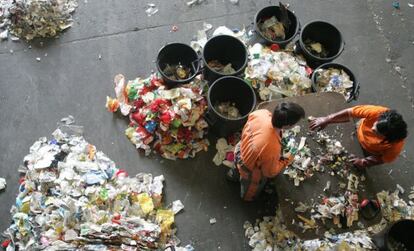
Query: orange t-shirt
x=260 y=145
x=369 y=140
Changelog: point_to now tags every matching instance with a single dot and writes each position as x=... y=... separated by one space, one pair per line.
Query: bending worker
x=258 y=155
x=381 y=132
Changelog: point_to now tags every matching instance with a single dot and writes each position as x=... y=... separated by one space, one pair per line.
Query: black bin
x=325 y=33
x=174 y=54
x=235 y=90
x=270 y=11
x=400 y=231
x=226 y=49
x=355 y=88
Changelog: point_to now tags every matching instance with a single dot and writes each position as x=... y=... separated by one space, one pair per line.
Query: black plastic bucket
x=355 y=88
x=226 y=49
x=174 y=54
x=400 y=232
x=326 y=34
x=270 y=11
x=235 y=90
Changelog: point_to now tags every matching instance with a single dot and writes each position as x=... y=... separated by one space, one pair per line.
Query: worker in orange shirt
x=258 y=155
x=381 y=132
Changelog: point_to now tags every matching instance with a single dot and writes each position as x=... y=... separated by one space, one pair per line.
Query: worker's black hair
x=391 y=125
x=287 y=114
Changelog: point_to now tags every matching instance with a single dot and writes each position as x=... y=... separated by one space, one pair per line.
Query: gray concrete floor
x=71 y=80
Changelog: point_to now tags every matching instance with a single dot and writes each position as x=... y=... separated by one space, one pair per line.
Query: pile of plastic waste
x=29 y=19
x=73 y=197
x=302 y=166
x=271 y=233
x=168 y=121
x=335 y=208
x=202 y=35
x=334 y=80
x=332 y=156
x=394 y=208
x=225 y=150
x=277 y=73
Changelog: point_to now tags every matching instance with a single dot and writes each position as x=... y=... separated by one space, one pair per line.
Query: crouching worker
x=258 y=155
x=381 y=132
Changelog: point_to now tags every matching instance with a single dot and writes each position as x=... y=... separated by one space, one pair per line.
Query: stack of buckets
x=225 y=48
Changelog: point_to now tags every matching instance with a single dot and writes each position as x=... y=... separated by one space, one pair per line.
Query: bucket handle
x=343 y=46
x=194 y=66
x=355 y=93
x=211 y=121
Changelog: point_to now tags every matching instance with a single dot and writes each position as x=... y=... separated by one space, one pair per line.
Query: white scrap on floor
x=213 y=221
x=3 y=183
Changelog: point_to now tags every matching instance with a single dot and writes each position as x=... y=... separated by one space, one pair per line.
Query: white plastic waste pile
x=334 y=80
x=29 y=19
x=276 y=73
x=73 y=197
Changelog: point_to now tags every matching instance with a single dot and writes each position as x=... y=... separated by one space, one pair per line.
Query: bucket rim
x=387 y=233
x=256 y=27
x=302 y=44
x=335 y=65
x=219 y=114
x=182 y=81
x=218 y=73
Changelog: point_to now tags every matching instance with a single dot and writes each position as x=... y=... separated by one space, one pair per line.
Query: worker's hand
x=290 y=159
x=360 y=163
x=318 y=123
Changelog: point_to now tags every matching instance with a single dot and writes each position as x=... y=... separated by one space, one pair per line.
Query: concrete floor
x=71 y=80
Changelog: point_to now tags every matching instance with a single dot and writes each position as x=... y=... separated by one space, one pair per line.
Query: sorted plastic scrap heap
x=167 y=121
x=73 y=197
x=277 y=73
x=334 y=80
x=28 y=19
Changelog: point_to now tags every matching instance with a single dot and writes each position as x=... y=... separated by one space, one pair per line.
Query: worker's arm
x=362 y=163
x=321 y=122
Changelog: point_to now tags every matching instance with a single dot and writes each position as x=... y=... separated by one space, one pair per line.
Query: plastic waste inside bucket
x=178 y=64
x=319 y=42
x=177 y=72
x=276 y=25
x=223 y=55
x=316 y=48
x=225 y=69
x=272 y=29
x=228 y=109
x=332 y=77
x=230 y=100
